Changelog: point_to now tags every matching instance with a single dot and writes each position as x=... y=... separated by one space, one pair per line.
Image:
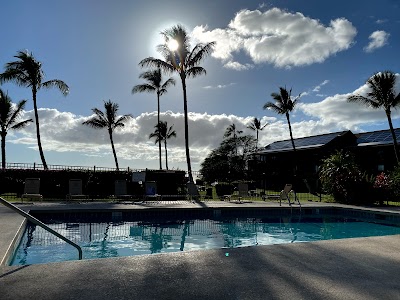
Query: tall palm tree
x=381 y=95
x=154 y=85
x=185 y=62
x=283 y=105
x=231 y=131
x=163 y=133
x=26 y=71
x=256 y=126
x=108 y=119
x=9 y=119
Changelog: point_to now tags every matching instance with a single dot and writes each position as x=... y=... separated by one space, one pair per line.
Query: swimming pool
x=120 y=236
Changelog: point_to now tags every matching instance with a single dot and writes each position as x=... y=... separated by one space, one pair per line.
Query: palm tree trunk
x=290 y=131
x=113 y=148
x=235 y=138
x=166 y=153
x=185 y=110
x=257 y=139
x=396 y=152
x=158 y=124
x=3 y=150
x=34 y=91
x=294 y=148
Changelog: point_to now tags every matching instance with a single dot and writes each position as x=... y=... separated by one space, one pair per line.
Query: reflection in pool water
x=115 y=239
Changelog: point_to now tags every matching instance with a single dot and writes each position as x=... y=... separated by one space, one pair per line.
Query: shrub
x=340 y=176
x=394 y=182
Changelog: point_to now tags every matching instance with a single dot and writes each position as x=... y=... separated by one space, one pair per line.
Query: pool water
x=123 y=238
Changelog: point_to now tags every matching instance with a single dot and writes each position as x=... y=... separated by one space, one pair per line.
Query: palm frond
x=9 y=114
x=167 y=83
x=171 y=133
x=195 y=71
x=140 y=88
x=252 y=127
x=21 y=125
x=262 y=127
x=59 y=84
x=363 y=100
x=274 y=107
x=15 y=113
x=157 y=63
x=155 y=135
x=121 y=120
x=95 y=123
x=199 y=52
x=15 y=76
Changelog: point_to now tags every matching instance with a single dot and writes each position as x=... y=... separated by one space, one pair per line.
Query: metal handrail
x=41 y=224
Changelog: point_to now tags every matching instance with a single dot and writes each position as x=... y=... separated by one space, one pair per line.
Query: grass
x=303 y=197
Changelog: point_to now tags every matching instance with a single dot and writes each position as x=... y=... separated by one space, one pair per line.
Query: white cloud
x=381 y=21
x=318 y=87
x=378 y=39
x=234 y=65
x=336 y=112
x=64 y=134
x=278 y=37
x=219 y=86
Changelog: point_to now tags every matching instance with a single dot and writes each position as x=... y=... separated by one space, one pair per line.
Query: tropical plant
x=394 y=180
x=184 y=61
x=108 y=119
x=339 y=175
x=283 y=105
x=232 y=132
x=256 y=126
x=228 y=161
x=154 y=85
x=381 y=94
x=163 y=133
x=9 y=120
x=26 y=71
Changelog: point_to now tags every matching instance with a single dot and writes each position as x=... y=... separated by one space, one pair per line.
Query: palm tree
x=284 y=105
x=154 y=84
x=109 y=120
x=256 y=126
x=26 y=71
x=9 y=119
x=231 y=131
x=185 y=62
x=381 y=95
x=163 y=133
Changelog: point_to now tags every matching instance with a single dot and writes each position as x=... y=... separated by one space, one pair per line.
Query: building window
x=381 y=168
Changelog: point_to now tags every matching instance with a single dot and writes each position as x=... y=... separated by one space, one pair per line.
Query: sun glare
x=173 y=45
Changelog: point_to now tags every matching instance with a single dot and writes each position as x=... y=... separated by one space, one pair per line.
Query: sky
x=322 y=50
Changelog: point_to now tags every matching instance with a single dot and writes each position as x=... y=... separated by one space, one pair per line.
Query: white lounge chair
x=286 y=194
x=32 y=189
x=75 y=190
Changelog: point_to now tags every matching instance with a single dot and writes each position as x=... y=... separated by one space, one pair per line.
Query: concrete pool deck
x=361 y=268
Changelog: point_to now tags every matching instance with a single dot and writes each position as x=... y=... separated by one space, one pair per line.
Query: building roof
x=380 y=137
x=315 y=141
x=373 y=138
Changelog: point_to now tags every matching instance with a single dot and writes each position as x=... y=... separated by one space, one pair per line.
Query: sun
x=173 y=45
